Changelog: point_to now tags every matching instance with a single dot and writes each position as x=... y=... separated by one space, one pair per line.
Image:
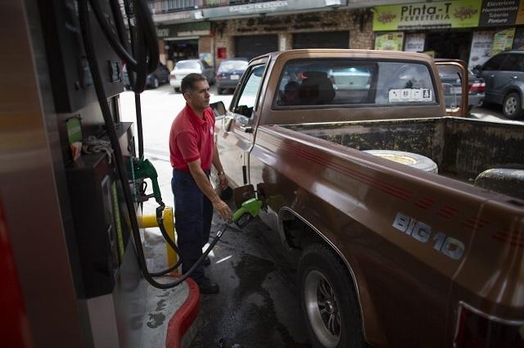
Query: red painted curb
x=181 y=321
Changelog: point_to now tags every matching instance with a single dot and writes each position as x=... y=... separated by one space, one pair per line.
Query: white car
x=184 y=67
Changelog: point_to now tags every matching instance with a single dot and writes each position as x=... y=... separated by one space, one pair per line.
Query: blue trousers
x=193 y=215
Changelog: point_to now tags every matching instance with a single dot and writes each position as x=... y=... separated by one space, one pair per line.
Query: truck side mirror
x=219 y=108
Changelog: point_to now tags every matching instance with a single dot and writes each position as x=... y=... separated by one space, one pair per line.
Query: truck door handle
x=247 y=129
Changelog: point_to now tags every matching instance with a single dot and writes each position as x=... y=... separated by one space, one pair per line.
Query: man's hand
x=223 y=210
x=204 y=184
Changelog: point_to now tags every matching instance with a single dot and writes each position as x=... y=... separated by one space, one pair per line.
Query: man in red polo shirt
x=192 y=152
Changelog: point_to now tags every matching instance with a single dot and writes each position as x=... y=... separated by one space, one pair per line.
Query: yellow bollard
x=147 y=221
x=169 y=224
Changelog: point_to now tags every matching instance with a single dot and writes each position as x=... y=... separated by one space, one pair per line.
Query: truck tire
x=328 y=300
x=512 y=107
x=408 y=158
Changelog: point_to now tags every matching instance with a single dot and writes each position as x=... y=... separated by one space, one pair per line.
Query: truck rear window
x=331 y=82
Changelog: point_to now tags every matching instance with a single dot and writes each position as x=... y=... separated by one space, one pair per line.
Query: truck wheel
x=512 y=108
x=408 y=158
x=328 y=300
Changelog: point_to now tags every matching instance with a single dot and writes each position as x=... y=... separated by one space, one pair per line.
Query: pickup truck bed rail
x=461 y=148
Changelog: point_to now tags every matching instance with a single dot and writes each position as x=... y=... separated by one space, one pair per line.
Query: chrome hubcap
x=322 y=309
x=511 y=106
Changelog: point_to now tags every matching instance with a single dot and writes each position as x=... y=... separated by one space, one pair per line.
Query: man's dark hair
x=188 y=82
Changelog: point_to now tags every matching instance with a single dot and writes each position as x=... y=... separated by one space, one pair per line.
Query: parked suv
x=504 y=77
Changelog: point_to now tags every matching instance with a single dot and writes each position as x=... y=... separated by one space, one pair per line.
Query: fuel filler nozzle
x=247 y=212
x=144 y=169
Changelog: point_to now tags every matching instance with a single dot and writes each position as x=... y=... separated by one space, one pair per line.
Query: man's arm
x=218 y=166
x=205 y=186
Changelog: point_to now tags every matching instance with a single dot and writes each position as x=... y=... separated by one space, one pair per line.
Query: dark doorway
x=449 y=44
x=255 y=45
x=325 y=39
x=178 y=50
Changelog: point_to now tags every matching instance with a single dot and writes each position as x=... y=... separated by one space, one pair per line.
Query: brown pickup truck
x=410 y=223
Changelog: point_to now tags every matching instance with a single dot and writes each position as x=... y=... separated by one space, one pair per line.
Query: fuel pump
x=146 y=59
x=76 y=250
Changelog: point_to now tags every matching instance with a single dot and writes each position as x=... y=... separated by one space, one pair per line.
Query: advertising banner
x=503 y=40
x=481 y=44
x=389 y=41
x=415 y=42
x=499 y=13
x=184 y=30
x=426 y=15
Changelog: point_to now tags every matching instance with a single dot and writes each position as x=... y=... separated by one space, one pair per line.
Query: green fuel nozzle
x=144 y=169
x=247 y=212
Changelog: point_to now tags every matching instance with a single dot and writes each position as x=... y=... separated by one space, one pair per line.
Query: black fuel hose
x=139 y=51
x=184 y=276
x=118 y=43
x=83 y=12
x=145 y=38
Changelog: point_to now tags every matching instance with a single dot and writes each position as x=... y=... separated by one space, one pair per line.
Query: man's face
x=198 y=98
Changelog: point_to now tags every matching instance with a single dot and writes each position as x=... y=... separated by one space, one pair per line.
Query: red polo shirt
x=192 y=138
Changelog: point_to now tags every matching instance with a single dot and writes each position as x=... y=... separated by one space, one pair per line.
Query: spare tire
x=408 y=158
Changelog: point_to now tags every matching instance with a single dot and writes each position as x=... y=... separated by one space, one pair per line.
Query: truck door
x=456 y=97
x=236 y=129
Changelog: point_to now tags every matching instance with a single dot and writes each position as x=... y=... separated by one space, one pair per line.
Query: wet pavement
x=258 y=302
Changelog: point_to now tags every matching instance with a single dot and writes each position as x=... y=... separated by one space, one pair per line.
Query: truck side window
x=404 y=83
x=249 y=95
x=348 y=82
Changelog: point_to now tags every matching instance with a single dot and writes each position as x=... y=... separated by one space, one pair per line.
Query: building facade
x=471 y=30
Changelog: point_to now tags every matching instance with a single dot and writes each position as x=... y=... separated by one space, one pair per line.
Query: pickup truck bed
x=461 y=148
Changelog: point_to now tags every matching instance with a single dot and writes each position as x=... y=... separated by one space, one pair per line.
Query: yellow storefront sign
x=445 y=14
